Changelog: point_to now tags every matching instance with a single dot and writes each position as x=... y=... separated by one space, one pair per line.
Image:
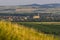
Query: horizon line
x=25 y=4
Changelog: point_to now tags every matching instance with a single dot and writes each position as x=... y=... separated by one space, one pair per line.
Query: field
x=52 y=28
x=45 y=27
x=28 y=31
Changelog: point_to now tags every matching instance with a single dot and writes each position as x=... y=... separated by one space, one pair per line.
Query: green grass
x=14 y=31
x=45 y=27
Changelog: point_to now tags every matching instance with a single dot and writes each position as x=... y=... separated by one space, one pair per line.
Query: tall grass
x=13 y=31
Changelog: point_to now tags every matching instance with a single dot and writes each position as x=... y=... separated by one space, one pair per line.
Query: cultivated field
x=25 y=31
x=45 y=27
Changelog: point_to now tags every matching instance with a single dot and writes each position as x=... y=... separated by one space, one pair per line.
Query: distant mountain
x=55 y=5
x=33 y=5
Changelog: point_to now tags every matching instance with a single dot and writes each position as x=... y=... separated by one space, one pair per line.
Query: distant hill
x=33 y=5
x=54 y=5
x=31 y=8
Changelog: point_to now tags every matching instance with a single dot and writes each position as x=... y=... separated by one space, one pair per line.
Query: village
x=32 y=17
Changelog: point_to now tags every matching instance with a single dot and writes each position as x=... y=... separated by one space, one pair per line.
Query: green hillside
x=13 y=31
x=45 y=27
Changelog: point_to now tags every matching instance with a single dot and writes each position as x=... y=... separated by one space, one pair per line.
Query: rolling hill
x=31 y=8
x=13 y=31
x=53 y=5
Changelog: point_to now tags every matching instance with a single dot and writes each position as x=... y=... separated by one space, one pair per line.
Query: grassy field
x=23 y=31
x=45 y=27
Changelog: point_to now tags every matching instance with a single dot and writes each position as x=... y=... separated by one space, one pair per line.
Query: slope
x=13 y=31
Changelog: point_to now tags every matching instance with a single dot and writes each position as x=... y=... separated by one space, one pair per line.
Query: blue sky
x=23 y=2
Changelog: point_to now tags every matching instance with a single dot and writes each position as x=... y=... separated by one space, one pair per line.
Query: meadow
x=45 y=27
x=24 y=31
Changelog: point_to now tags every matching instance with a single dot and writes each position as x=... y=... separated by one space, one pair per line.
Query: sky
x=24 y=2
